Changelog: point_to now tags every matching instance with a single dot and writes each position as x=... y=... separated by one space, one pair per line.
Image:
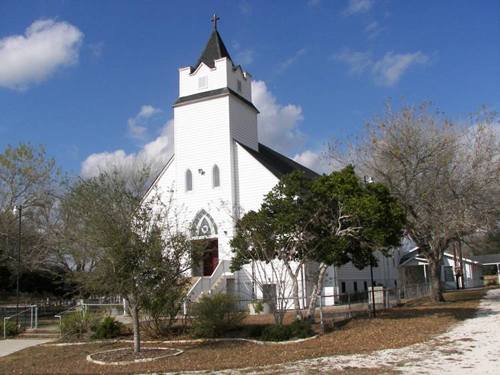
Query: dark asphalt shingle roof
x=277 y=163
x=213 y=93
x=486 y=259
x=214 y=50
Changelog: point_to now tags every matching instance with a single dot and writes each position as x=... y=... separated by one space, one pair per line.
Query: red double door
x=210 y=257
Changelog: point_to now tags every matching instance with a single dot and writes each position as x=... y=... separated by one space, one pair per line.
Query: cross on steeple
x=214 y=20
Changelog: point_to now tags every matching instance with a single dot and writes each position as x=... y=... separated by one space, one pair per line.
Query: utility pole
x=19 y=210
x=373 y=289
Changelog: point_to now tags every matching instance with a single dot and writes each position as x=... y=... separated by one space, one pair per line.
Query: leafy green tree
x=139 y=247
x=356 y=219
x=331 y=220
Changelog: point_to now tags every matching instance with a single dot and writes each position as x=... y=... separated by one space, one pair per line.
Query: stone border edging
x=140 y=360
x=189 y=341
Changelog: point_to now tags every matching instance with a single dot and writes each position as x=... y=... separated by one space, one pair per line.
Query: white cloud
x=389 y=69
x=357 y=6
x=313 y=3
x=33 y=57
x=386 y=71
x=278 y=124
x=156 y=153
x=244 y=57
x=278 y=128
x=357 y=61
x=137 y=125
x=315 y=160
x=290 y=61
x=373 y=29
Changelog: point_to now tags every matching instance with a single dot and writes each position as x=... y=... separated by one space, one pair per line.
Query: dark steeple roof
x=215 y=49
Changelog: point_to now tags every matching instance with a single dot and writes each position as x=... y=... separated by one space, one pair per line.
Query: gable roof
x=487 y=259
x=416 y=254
x=214 y=50
x=277 y=163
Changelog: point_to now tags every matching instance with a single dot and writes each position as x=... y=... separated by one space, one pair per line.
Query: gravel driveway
x=471 y=347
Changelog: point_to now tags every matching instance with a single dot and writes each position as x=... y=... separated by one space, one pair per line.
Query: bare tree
x=446 y=176
x=31 y=179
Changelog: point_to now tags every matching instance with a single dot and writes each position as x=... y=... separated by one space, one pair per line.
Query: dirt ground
x=395 y=328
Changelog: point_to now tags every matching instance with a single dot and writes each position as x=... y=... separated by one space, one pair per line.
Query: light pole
x=19 y=210
x=374 y=314
x=369 y=180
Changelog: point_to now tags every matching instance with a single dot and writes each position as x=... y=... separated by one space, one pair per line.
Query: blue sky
x=95 y=80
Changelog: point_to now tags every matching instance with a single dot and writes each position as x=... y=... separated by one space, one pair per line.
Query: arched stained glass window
x=215 y=176
x=189 y=180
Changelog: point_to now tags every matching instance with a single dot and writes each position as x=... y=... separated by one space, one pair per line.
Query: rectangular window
x=355 y=285
x=448 y=274
x=239 y=86
x=365 y=284
x=342 y=286
x=269 y=293
x=203 y=82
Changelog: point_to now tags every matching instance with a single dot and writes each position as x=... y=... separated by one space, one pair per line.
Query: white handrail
x=205 y=283
x=30 y=309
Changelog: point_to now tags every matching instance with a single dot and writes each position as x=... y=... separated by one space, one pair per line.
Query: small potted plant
x=257 y=307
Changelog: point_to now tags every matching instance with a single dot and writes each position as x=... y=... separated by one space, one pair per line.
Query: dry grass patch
x=394 y=328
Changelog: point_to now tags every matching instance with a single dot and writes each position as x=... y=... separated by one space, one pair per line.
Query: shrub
x=163 y=306
x=78 y=324
x=277 y=332
x=299 y=329
x=10 y=327
x=258 y=306
x=215 y=314
x=108 y=328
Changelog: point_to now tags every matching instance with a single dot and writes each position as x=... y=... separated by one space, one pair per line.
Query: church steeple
x=215 y=48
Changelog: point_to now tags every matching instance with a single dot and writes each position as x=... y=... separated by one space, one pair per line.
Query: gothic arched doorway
x=204 y=234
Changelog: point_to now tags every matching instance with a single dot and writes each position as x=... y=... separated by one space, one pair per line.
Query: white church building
x=219 y=171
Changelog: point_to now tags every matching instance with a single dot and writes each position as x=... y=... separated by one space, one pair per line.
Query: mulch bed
x=128 y=355
x=393 y=328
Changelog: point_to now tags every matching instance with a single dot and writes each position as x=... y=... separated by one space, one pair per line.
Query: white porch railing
x=209 y=284
x=22 y=316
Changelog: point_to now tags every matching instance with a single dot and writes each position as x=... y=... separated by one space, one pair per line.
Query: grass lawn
x=415 y=322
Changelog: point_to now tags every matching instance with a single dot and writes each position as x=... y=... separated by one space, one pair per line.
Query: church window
x=203 y=82
x=239 y=86
x=215 y=176
x=189 y=180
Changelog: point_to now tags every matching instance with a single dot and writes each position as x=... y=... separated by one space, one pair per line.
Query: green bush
x=215 y=314
x=107 y=328
x=299 y=329
x=277 y=332
x=163 y=306
x=78 y=324
x=10 y=328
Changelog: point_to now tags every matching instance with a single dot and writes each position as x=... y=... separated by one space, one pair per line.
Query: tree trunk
x=134 y=311
x=316 y=293
x=435 y=275
x=295 y=291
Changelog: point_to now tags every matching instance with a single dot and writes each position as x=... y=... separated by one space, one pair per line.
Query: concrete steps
x=40 y=333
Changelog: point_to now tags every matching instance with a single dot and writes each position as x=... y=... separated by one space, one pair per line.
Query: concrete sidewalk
x=12 y=345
